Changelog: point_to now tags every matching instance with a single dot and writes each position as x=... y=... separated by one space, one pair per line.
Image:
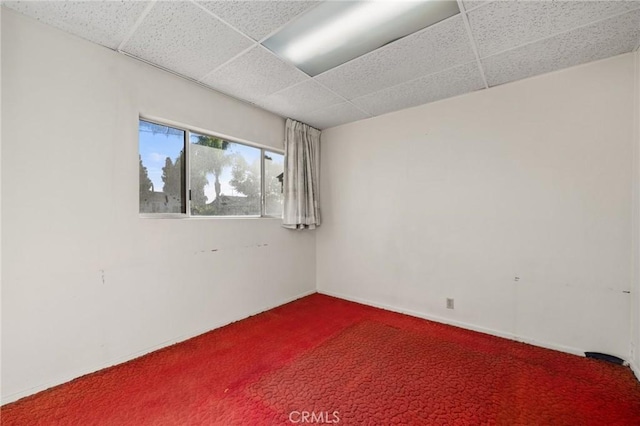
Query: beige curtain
x=301 y=176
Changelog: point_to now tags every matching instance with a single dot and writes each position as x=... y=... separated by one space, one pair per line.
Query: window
x=273 y=183
x=162 y=169
x=225 y=178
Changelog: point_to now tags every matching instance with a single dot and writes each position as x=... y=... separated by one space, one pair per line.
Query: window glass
x=224 y=177
x=162 y=169
x=273 y=183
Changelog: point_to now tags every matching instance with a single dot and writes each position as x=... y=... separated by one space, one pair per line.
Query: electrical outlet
x=449 y=303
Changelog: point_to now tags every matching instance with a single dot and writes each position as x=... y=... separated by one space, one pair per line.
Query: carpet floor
x=322 y=360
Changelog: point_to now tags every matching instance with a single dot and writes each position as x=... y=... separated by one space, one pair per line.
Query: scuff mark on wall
x=231 y=248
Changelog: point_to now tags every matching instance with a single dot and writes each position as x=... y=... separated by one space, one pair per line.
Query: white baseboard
x=635 y=369
x=567 y=349
x=442 y=320
x=15 y=396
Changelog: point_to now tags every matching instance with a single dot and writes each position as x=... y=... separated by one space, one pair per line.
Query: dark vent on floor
x=604 y=357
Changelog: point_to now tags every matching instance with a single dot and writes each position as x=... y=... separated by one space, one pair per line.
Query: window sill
x=184 y=216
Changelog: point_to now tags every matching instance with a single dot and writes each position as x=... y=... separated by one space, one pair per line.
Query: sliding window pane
x=162 y=168
x=273 y=183
x=225 y=177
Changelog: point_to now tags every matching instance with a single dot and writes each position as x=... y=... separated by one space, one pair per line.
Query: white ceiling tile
x=105 y=23
x=445 y=84
x=183 y=38
x=597 y=41
x=300 y=99
x=516 y=39
x=503 y=25
x=331 y=116
x=442 y=46
x=471 y=4
x=254 y=75
x=258 y=19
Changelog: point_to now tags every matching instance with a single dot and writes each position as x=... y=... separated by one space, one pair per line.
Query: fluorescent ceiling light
x=337 y=31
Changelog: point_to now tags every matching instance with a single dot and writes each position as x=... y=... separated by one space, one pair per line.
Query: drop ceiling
x=218 y=44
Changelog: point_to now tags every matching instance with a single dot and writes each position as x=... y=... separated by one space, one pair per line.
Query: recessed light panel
x=336 y=32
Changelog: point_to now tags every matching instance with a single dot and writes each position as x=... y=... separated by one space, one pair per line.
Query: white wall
x=635 y=290
x=458 y=198
x=0 y=193
x=86 y=283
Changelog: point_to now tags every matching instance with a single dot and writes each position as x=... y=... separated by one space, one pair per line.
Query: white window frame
x=187 y=158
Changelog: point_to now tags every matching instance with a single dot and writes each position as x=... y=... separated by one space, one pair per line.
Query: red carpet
x=323 y=360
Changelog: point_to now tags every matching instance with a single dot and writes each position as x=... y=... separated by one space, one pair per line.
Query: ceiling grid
x=218 y=44
x=474 y=46
x=133 y=29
